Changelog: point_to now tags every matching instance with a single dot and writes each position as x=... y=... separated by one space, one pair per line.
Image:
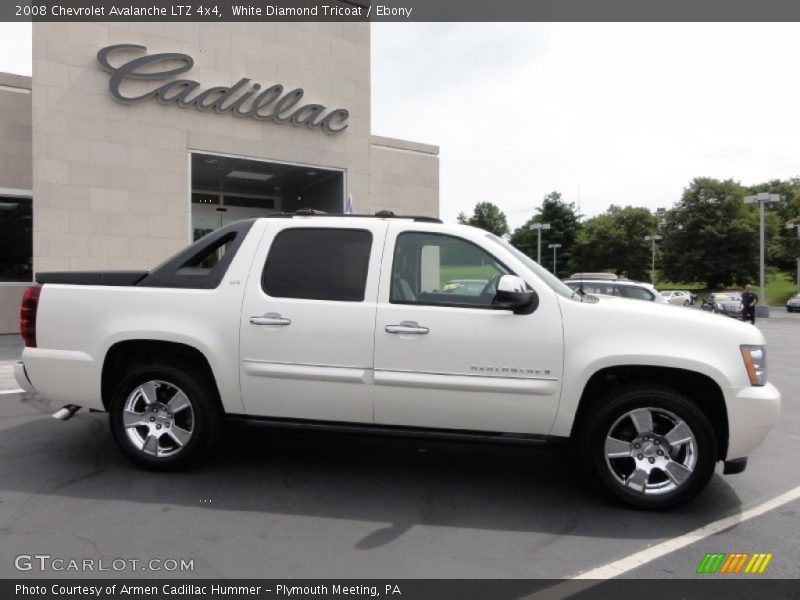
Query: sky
x=15 y=48
x=604 y=113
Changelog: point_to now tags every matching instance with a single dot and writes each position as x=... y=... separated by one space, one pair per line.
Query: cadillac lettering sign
x=242 y=99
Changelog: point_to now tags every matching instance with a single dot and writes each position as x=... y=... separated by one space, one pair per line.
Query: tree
x=614 y=241
x=486 y=216
x=711 y=235
x=564 y=226
x=782 y=248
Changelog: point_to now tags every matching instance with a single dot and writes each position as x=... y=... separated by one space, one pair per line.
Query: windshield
x=551 y=280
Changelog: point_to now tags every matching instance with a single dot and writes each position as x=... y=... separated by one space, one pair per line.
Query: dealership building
x=133 y=139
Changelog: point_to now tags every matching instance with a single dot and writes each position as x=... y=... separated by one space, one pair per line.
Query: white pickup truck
x=403 y=326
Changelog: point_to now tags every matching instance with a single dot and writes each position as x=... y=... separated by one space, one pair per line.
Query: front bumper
x=752 y=412
x=22 y=377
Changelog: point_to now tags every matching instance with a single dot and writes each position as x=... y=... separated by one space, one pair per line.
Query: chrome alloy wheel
x=651 y=451
x=158 y=418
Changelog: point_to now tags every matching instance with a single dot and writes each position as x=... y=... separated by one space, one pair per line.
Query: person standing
x=749 y=301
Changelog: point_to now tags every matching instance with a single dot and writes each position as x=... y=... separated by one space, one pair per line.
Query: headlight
x=718 y=305
x=755 y=361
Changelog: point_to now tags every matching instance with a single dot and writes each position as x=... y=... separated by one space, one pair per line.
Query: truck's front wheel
x=164 y=417
x=650 y=446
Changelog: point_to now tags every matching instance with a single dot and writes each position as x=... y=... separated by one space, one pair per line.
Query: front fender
x=574 y=386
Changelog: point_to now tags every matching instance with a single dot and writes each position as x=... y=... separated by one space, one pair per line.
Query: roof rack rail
x=381 y=214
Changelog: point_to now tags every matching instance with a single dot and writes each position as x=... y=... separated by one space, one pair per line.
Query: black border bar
x=403 y=10
x=710 y=588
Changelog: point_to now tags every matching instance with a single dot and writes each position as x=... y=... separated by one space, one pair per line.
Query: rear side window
x=203 y=264
x=318 y=264
x=210 y=257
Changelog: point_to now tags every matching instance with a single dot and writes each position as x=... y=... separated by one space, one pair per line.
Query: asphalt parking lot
x=322 y=505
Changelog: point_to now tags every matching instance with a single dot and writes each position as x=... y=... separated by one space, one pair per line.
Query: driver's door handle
x=271 y=319
x=407 y=327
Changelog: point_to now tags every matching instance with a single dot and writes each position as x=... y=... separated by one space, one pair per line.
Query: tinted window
x=210 y=257
x=318 y=264
x=432 y=268
x=608 y=289
x=629 y=291
x=203 y=264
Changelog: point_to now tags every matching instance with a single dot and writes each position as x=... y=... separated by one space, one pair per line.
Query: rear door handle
x=271 y=319
x=407 y=327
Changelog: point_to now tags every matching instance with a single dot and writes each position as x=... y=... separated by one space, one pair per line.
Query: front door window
x=436 y=269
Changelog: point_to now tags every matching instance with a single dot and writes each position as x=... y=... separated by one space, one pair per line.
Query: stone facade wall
x=111 y=180
x=405 y=177
x=15 y=132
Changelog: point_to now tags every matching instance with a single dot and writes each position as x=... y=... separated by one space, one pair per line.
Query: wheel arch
x=126 y=355
x=701 y=389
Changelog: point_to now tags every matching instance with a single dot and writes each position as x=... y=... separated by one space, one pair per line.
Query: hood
x=666 y=322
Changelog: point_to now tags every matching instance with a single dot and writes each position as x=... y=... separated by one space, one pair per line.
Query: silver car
x=678 y=297
x=624 y=288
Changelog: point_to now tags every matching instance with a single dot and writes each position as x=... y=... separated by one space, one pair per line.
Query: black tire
x=203 y=421
x=610 y=416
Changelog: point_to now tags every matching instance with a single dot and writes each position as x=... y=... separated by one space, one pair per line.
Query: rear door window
x=318 y=264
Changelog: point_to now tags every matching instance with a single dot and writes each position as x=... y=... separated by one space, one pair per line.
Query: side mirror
x=513 y=293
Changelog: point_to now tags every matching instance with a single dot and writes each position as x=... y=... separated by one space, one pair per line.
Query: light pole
x=761 y=199
x=654 y=239
x=796 y=227
x=537 y=227
x=555 y=248
x=661 y=220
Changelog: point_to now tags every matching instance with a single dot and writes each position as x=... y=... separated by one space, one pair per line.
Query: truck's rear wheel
x=650 y=446
x=165 y=417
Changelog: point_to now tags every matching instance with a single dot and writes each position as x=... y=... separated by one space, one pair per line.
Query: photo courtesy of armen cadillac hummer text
x=402 y=326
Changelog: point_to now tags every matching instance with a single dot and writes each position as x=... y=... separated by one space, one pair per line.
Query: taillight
x=27 y=314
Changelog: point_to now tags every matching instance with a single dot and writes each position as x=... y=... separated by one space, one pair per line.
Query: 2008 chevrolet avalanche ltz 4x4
x=354 y=323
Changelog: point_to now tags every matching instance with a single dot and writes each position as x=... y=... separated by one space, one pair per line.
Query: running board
x=394 y=431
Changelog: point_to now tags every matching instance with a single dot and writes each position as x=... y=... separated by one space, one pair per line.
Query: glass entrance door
x=229 y=188
x=211 y=211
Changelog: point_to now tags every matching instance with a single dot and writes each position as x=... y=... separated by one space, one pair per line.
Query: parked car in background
x=793 y=303
x=622 y=288
x=678 y=297
x=725 y=303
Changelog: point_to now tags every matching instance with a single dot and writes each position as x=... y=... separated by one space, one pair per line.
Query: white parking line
x=637 y=559
x=17 y=391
